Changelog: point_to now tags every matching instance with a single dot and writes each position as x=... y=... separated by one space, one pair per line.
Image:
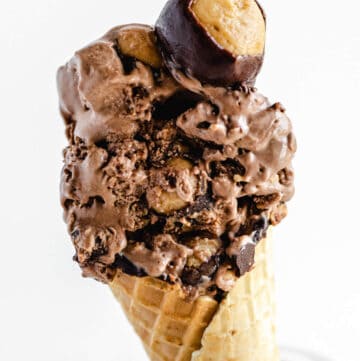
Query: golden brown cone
x=243 y=328
x=240 y=328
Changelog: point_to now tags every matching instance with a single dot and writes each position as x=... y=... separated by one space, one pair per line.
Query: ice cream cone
x=240 y=328
x=175 y=168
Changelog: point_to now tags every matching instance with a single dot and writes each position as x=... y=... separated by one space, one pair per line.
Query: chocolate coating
x=188 y=47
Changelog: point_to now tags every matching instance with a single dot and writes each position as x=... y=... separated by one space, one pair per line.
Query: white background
x=47 y=311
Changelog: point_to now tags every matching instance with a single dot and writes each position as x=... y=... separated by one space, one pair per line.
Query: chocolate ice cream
x=166 y=175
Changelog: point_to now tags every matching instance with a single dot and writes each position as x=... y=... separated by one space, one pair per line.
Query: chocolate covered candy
x=220 y=42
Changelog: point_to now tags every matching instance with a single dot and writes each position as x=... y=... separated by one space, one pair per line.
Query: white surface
x=47 y=311
x=289 y=354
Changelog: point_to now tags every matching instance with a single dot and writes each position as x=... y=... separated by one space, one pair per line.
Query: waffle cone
x=240 y=328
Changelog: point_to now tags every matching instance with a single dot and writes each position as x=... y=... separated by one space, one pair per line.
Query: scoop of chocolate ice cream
x=165 y=176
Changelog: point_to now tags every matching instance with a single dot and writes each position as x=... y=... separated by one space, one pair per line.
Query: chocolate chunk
x=209 y=268
x=177 y=104
x=229 y=167
x=191 y=276
x=127 y=267
x=219 y=295
x=202 y=202
x=245 y=259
